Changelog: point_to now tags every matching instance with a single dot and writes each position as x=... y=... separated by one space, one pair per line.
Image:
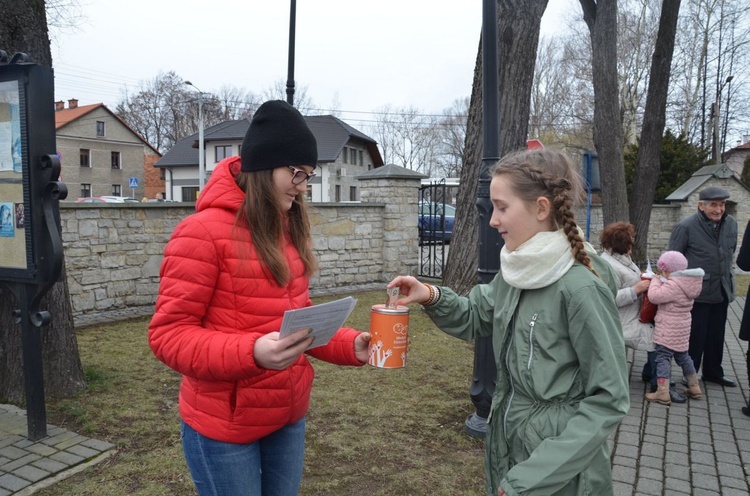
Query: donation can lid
x=397 y=310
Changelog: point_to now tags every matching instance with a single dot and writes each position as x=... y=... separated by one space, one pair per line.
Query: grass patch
x=370 y=431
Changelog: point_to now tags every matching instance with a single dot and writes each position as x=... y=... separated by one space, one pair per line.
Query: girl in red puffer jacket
x=230 y=271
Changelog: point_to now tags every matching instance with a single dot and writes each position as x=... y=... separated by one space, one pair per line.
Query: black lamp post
x=290 y=65
x=490 y=242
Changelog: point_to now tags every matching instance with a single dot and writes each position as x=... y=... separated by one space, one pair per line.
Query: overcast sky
x=351 y=55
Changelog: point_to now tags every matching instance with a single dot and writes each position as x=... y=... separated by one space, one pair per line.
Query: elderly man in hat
x=708 y=240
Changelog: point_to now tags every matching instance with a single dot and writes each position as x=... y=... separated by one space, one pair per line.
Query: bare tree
x=302 y=101
x=647 y=162
x=710 y=37
x=408 y=138
x=451 y=138
x=381 y=129
x=165 y=110
x=236 y=103
x=601 y=18
x=518 y=38
x=23 y=28
x=637 y=25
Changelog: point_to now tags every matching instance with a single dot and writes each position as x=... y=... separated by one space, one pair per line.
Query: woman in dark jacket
x=743 y=262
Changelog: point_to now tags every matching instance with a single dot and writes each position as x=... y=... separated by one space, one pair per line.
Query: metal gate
x=435 y=227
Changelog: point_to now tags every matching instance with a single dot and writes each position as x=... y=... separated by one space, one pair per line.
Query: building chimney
x=72 y=103
x=59 y=105
x=746 y=138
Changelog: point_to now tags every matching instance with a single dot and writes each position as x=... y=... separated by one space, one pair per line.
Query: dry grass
x=370 y=431
x=741 y=282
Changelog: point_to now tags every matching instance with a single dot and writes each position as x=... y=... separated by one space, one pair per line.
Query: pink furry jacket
x=675 y=296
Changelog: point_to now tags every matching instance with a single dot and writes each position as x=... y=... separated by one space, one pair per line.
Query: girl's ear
x=543 y=208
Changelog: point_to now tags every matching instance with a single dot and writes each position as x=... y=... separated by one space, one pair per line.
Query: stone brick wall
x=113 y=252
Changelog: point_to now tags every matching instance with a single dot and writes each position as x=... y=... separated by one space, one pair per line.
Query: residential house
x=343 y=153
x=101 y=155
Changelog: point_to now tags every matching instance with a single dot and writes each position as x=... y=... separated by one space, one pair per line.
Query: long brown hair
x=268 y=223
x=548 y=173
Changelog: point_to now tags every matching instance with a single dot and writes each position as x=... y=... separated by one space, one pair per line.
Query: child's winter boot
x=662 y=392
x=693 y=388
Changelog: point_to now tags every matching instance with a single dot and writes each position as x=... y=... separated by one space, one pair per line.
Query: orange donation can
x=389 y=331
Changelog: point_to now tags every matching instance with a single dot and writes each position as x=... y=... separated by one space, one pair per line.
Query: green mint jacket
x=562 y=382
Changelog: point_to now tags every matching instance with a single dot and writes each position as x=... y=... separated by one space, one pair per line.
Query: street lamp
x=715 y=149
x=290 y=60
x=201 y=154
x=483 y=379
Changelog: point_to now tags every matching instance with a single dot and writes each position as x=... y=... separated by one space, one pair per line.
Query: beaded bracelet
x=434 y=295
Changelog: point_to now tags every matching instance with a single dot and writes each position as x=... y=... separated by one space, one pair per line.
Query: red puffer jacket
x=215 y=299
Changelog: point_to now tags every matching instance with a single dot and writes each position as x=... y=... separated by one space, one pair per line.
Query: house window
x=361 y=158
x=99 y=128
x=116 y=161
x=223 y=151
x=116 y=190
x=345 y=155
x=353 y=157
x=353 y=193
x=189 y=194
x=85 y=157
x=85 y=190
x=338 y=193
x=162 y=173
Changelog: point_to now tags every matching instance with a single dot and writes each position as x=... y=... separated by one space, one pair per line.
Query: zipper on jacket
x=531 y=339
x=512 y=389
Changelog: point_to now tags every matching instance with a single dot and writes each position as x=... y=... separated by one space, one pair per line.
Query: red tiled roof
x=63 y=117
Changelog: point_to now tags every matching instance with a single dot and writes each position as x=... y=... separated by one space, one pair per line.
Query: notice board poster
x=12 y=212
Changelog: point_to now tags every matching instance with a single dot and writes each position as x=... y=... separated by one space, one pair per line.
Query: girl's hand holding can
x=361 y=346
x=413 y=290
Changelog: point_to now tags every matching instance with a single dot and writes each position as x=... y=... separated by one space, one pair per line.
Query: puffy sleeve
x=176 y=334
x=660 y=292
x=340 y=349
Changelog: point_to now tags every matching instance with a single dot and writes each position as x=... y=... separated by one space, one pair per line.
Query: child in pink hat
x=674 y=293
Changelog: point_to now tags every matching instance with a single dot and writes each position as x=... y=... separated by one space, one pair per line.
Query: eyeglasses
x=299 y=176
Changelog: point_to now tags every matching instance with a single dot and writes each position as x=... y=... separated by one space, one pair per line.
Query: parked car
x=107 y=199
x=436 y=222
x=119 y=199
x=90 y=199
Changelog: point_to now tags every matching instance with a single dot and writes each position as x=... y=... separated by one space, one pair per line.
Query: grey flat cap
x=713 y=193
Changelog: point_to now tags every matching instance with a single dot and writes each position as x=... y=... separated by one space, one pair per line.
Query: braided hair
x=551 y=174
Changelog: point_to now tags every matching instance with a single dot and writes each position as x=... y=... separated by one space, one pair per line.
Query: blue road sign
x=133 y=182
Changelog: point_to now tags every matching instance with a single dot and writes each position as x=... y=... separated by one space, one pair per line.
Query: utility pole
x=201 y=153
x=715 y=150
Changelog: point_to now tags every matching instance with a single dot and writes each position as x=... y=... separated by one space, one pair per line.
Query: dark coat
x=694 y=237
x=743 y=262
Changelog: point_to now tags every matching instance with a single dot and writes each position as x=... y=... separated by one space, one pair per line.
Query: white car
x=118 y=199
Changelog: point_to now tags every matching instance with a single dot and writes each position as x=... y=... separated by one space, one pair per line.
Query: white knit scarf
x=538 y=262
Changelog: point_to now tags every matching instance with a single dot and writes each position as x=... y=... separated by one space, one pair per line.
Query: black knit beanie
x=278 y=136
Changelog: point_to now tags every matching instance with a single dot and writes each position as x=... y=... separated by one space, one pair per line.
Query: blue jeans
x=664 y=358
x=271 y=466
